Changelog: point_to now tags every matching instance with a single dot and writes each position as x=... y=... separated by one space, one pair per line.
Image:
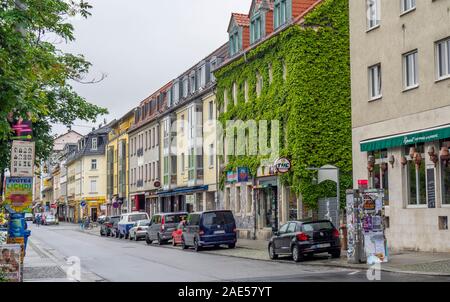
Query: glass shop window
x=416 y=177
x=380 y=175
x=445 y=168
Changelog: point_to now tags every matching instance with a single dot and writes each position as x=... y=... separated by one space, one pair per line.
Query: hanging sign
x=283 y=165
x=22 y=129
x=22 y=159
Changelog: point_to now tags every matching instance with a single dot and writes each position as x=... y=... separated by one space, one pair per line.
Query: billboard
x=10 y=264
x=19 y=194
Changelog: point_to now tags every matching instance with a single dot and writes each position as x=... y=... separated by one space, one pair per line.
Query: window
x=408 y=5
x=157 y=135
x=185 y=87
x=291 y=228
x=375 y=82
x=259 y=84
x=238 y=200
x=183 y=168
x=191 y=123
x=225 y=100
x=146 y=173
x=284 y=228
x=169 y=97
x=410 y=77
x=249 y=199
x=373 y=13
x=210 y=110
x=182 y=124
x=235 y=93
x=192 y=82
x=146 y=140
x=157 y=169
x=443 y=59
x=380 y=176
x=93 y=186
x=280 y=13
x=235 y=43
x=227 y=199
x=153 y=138
x=256 y=29
x=93 y=164
x=211 y=72
x=416 y=179
x=270 y=73
x=203 y=76
x=94 y=143
x=211 y=155
x=176 y=92
x=166 y=170
x=445 y=168
x=191 y=163
x=284 y=70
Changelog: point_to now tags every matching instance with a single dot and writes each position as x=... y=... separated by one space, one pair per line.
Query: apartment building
x=400 y=65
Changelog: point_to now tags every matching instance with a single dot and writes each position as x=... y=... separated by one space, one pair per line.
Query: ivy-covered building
x=289 y=65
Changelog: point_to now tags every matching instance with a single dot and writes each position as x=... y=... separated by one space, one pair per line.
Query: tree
x=35 y=75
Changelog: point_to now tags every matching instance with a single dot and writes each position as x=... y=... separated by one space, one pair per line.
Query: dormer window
x=235 y=42
x=256 y=28
x=169 y=97
x=94 y=143
x=185 y=87
x=202 y=75
x=192 y=82
x=176 y=92
x=282 y=12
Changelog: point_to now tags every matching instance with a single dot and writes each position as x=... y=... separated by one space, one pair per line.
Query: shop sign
x=19 y=194
x=22 y=159
x=242 y=174
x=22 y=130
x=283 y=165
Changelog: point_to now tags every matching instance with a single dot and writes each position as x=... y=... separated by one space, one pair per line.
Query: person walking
x=38 y=219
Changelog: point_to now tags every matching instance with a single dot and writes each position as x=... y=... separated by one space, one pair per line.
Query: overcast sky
x=143 y=44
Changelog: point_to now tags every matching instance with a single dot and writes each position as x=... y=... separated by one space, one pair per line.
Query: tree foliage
x=35 y=75
x=312 y=104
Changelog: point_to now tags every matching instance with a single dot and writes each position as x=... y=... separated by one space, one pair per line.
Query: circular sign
x=53 y=206
x=157 y=184
x=83 y=203
x=283 y=165
x=115 y=204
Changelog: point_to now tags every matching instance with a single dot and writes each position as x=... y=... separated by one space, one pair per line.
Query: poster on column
x=10 y=265
x=22 y=159
x=19 y=194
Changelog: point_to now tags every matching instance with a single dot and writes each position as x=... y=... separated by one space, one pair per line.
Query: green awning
x=421 y=136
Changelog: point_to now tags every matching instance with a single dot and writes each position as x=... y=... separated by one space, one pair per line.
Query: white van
x=127 y=221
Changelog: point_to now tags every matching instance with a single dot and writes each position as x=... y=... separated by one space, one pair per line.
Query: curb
x=348 y=266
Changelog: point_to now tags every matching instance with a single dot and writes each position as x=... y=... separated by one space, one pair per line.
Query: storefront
x=413 y=170
x=189 y=199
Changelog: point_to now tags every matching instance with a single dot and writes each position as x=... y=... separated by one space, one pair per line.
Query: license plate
x=321 y=246
x=219 y=232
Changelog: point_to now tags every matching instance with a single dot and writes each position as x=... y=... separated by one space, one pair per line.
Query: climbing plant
x=305 y=72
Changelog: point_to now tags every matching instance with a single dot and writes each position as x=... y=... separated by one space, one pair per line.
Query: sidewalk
x=421 y=263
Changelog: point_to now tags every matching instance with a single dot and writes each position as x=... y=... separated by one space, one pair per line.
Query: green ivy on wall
x=312 y=104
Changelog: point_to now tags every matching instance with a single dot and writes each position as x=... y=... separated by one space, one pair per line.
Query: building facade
x=145 y=164
x=117 y=165
x=87 y=176
x=401 y=115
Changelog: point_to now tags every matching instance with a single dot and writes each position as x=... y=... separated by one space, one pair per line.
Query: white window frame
x=94 y=144
x=93 y=164
x=408 y=5
x=445 y=73
x=93 y=186
x=373 y=14
x=410 y=73
x=375 y=79
x=211 y=156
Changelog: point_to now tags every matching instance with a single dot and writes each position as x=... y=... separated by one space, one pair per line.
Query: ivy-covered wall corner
x=305 y=71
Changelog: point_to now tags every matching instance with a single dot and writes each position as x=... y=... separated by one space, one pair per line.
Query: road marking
x=353 y=273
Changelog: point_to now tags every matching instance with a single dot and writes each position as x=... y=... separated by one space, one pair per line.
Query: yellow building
x=117 y=165
x=86 y=168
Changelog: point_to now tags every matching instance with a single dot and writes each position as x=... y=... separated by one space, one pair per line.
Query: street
x=120 y=260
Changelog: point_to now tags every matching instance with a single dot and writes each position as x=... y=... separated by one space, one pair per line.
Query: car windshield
x=214 y=218
x=174 y=218
x=144 y=222
x=137 y=217
x=317 y=226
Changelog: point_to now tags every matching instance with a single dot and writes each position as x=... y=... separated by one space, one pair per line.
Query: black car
x=210 y=228
x=162 y=225
x=299 y=239
x=106 y=228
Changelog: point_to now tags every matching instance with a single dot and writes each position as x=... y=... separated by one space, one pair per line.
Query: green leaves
x=313 y=104
x=35 y=74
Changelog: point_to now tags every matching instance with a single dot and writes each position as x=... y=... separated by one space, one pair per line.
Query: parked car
x=305 y=238
x=139 y=230
x=28 y=217
x=209 y=228
x=115 y=228
x=50 y=219
x=101 y=219
x=127 y=221
x=106 y=228
x=178 y=233
x=162 y=225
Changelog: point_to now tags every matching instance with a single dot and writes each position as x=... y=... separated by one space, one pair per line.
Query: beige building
x=400 y=65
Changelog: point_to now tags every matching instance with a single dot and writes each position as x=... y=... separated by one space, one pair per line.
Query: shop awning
x=421 y=136
x=179 y=191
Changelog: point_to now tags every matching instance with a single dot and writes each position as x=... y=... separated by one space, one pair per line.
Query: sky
x=141 y=45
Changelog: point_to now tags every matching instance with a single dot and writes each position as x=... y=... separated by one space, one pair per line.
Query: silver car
x=139 y=229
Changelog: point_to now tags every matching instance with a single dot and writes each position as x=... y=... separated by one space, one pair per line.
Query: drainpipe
x=254 y=208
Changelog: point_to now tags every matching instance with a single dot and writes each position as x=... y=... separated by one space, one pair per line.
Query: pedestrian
x=82 y=223
x=38 y=219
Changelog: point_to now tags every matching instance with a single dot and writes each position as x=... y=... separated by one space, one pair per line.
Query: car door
x=288 y=236
x=152 y=228
x=278 y=239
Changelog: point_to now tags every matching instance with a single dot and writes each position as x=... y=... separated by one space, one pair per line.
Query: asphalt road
x=128 y=261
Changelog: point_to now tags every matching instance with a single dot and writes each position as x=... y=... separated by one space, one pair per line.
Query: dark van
x=162 y=225
x=210 y=228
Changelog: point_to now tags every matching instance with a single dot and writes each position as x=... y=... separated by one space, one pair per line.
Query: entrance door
x=271 y=207
x=94 y=214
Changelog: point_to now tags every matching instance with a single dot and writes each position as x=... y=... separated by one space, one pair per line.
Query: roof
x=241 y=19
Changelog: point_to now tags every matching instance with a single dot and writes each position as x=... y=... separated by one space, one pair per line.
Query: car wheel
x=197 y=246
x=160 y=241
x=126 y=236
x=232 y=245
x=173 y=241
x=147 y=239
x=183 y=244
x=336 y=254
x=272 y=254
x=136 y=238
x=296 y=255
x=129 y=237
x=117 y=235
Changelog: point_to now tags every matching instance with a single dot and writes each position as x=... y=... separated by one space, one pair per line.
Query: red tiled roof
x=241 y=19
